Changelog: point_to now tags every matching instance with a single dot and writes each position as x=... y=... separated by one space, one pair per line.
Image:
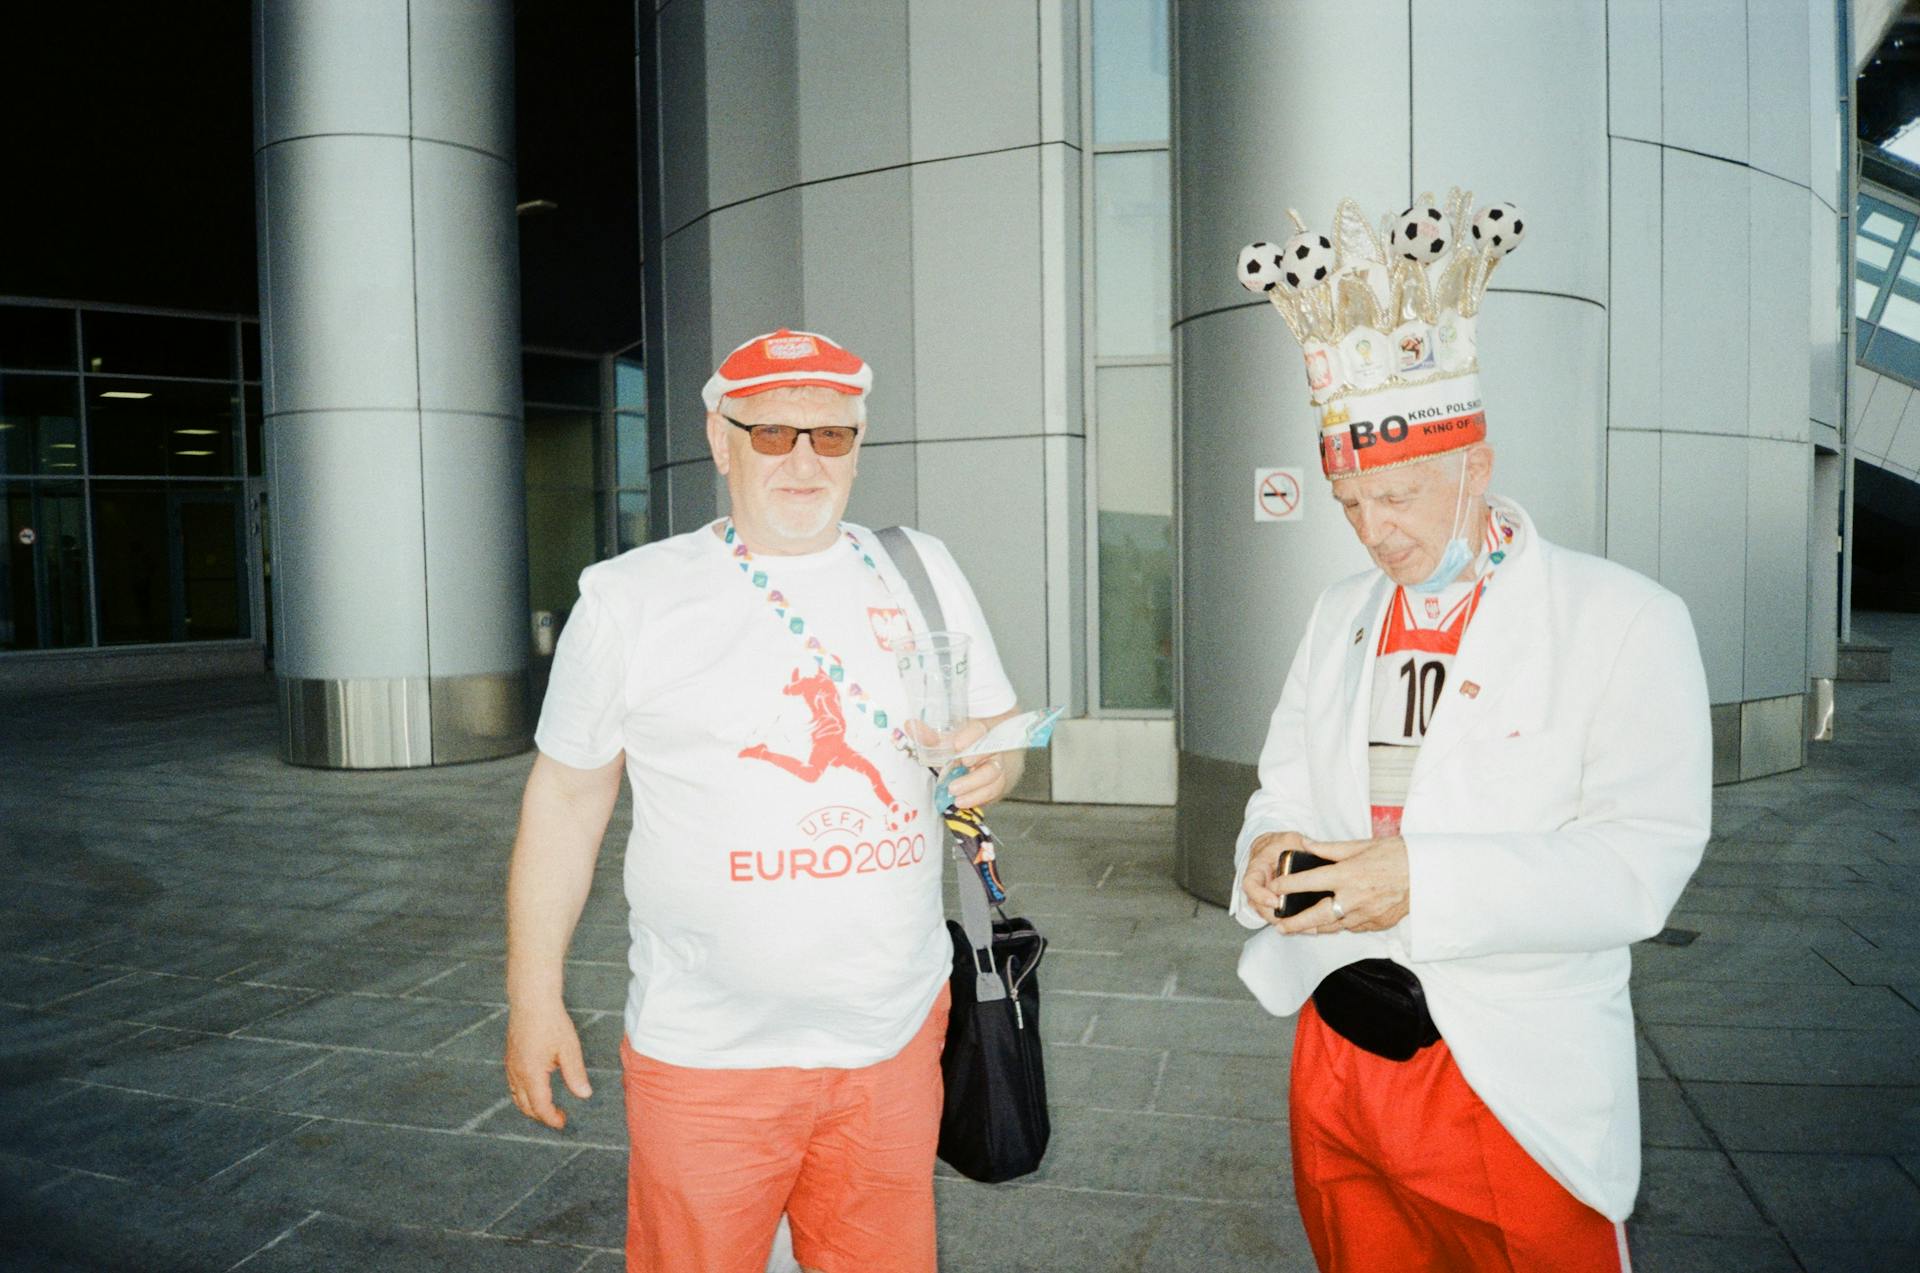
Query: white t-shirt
x=783 y=873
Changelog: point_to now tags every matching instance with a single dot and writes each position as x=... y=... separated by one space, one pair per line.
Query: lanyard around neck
x=824 y=659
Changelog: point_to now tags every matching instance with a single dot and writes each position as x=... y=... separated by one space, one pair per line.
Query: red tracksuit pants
x=1399 y=1167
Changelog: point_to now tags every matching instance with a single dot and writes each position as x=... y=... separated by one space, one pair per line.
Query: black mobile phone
x=1299 y=860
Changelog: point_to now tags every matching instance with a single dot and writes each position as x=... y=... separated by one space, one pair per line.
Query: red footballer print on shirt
x=830 y=747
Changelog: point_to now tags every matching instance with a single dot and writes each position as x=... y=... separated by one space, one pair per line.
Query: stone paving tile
x=138 y=1136
x=1816 y=1057
x=1882 y=967
x=1224 y=1085
x=1107 y=1078
x=186 y=1003
x=596 y=987
x=1756 y=1006
x=191 y=1064
x=336 y=1242
x=33 y=983
x=377 y=1088
x=1818 y=1199
x=1693 y=1191
x=368 y=1021
x=1825 y=1120
x=1665 y=1119
x=399 y=1175
x=582 y=1204
x=1859 y=899
x=598 y=1122
x=87 y=1222
x=600 y=1035
x=1662 y=1251
x=1708 y=960
x=184 y=957
x=1772 y=933
x=357 y=969
x=1200 y=1024
x=1224 y=1160
x=1024 y=1229
x=1855 y=1257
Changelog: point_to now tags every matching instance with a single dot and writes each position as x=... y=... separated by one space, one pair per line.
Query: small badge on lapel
x=1470 y=689
x=1359 y=634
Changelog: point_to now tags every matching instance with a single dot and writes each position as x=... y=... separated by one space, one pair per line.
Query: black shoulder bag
x=994 y=1124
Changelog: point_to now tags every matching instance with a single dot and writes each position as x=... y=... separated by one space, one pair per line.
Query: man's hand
x=1368 y=880
x=538 y=1040
x=988 y=778
x=1263 y=862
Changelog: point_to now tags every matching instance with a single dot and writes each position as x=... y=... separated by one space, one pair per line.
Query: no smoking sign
x=1276 y=495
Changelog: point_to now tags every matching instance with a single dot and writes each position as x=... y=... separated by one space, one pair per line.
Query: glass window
x=631 y=519
x=630 y=442
x=561 y=535
x=1887 y=289
x=148 y=344
x=43 y=566
x=160 y=428
x=256 y=431
x=1132 y=279
x=559 y=380
x=250 y=351
x=1133 y=407
x=1130 y=92
x=168 y=562
x=40 y=425
x=629 y=385
x=33 y=338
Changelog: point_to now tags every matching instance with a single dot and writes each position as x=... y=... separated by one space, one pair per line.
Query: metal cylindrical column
x=389 y=302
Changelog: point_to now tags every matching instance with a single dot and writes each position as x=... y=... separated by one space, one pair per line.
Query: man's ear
x=1480 y=469
x=717 y=440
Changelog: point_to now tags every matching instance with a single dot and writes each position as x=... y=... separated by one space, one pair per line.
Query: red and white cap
x=784 y=359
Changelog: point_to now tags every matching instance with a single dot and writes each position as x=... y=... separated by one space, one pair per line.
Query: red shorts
x=715 y=1156
x=1398 y=1165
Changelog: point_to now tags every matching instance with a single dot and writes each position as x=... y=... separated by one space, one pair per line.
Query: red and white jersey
x=1412 y=661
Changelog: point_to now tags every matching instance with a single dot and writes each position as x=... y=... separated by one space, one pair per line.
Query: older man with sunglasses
x=788 y=998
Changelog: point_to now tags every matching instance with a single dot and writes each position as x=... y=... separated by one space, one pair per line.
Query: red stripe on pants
x=1398 y=1165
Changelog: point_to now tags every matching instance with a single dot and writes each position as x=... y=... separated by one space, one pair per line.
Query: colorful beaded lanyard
x=823 y=658
x=976 y=839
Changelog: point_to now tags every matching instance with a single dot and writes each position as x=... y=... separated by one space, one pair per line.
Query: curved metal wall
x=389 y=297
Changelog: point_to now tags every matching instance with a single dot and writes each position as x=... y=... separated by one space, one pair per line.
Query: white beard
x=804 y=522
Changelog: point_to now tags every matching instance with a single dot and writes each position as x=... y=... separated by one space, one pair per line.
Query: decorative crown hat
x=1386 y=318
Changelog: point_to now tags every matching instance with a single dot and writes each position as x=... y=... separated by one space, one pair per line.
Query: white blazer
x=1553 y=818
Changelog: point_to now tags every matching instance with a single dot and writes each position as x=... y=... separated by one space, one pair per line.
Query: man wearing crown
x=1488 y=774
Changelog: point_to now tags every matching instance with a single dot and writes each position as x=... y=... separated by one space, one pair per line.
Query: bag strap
x=975 y=919
x=906 y=559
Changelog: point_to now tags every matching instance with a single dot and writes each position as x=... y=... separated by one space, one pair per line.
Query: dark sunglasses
x=828 y=440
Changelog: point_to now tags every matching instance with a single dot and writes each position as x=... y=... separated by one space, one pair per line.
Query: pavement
x=251 y=1017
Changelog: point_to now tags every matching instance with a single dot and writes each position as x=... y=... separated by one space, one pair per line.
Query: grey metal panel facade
x=336 y=274
x=349 y=559
x=821 y=189
x=467 y=250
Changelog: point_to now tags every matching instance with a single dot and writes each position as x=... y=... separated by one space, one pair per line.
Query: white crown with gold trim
x=1385 y=318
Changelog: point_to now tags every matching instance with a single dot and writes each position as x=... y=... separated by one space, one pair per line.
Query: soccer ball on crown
x=1306 y=259
x=1419 y=234
x=1498 y=229
x=1260 y=267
